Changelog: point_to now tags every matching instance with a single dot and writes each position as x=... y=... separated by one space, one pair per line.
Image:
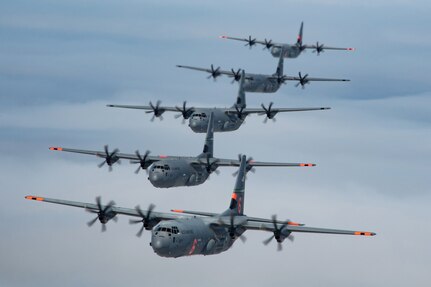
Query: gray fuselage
x=223 y=122
x=176 y=172
x=189 y=236
x=260 y=84
x=290 y=51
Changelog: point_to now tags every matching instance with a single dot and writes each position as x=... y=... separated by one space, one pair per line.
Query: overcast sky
x=61 y=62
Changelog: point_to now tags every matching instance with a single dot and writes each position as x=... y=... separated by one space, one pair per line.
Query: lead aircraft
x=287 y=50
x=225 y=119
x=186 y=233
x=172 y=171
x=260 y=83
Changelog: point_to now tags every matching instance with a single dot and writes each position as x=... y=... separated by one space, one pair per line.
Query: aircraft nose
x=160 y=245
x=193 y=124
x=154 y=176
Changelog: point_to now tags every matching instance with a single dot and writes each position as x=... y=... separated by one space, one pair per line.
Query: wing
x=156 y=216
x=252 y=163
x=251 y=41
x=275 y=110
x=147 y=108
x=105 y=154
x=320 y=48
x=217 y=72
x=256 y=225
x=308 y=79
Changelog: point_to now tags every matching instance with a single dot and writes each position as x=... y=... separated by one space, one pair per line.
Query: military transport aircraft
x=262 y=83
x=186 y=233
x=171 y=171
x=289 y=50
x=225 y=119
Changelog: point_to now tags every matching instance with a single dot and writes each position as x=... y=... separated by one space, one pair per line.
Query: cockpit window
x=175 y=230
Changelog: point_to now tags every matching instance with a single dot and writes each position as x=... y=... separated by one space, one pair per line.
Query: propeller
x=281 y=79
x=278 y=235
x=143 y=163
x=318 y=49
x=156 y=110
x=214 y=72
x=248 y=166
x=146 y=219
x=103 y=214
x=232 y=229
x=270 y=114
x=211 y=166
x=239 y=112
x=250 y=42
x=235 y=75
x=110 y=158
x=268 y=44
x=302 y=80
x=185 y=112
x=300 y=46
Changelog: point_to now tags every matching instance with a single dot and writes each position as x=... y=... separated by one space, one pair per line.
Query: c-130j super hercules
x=186 y=233
x=172 y=171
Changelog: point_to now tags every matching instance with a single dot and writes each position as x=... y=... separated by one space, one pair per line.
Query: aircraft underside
x=192 y=237
x=261 y=86
x=289 y=52
x=225 y=125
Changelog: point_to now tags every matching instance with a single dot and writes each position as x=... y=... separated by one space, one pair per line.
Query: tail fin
x=208 y=150
x=299 y=39
x=240 y=99
x=280 y=67
x=236 y=206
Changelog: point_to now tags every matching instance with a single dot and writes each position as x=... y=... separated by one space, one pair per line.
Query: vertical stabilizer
x=240 y=99
x=299 y=39
x=236 y=206
x=279 y=72
x=208 y=150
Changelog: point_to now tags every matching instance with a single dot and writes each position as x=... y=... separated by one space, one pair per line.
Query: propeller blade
x=91 y=222
x=267 y=241
x=139 y=234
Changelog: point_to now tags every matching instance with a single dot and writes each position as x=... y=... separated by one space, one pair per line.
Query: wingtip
x=177 y=210
x=56 y=148
x=307 y=164
x=351 y=49
x=222 y=37
x=110 y=106
x=37 y=198
x=365 y=233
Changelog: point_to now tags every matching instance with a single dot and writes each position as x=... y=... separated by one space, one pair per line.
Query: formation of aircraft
x=183 y=232
x=260 y=83
x=186 y=233
x=173 y=171
x=287 y=50
x=225 y=119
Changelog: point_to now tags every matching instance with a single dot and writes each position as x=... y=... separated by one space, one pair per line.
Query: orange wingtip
x=56 y=148
x=30 y=197
x=364 y=233
x=291 y=223
x=351 y=49
x=177 y=210
x=307 y=164
x=222 y=37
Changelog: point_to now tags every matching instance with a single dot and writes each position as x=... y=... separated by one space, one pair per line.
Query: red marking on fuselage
x=195 y=242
